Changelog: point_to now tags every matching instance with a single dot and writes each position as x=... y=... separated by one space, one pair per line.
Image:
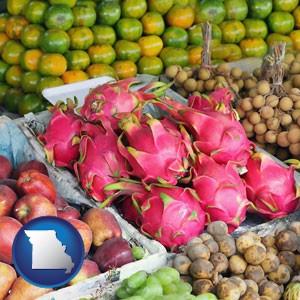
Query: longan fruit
x=196 y=93
x=246 y=104
x=245 y=75
x=286 y=119
x=181 y=77
x=294 y=94
x=298 y=120
x=294 y=135
x=272 y=123
x=282 y=153
x=294 y=149
x=287 y=85
x=263 y=87
x=271 y=148
x=223 y=68
x=289 y=57
x=272 y=100
x=249 y=83
x=248 y=127
x=260 y=138
x=200 y=86
x=295 y=67
x=240 y=112
x=271 y=136
x=296 y=80
x=252 y=92
x=260 y=128
x=172 y=70
x=254 y=117
x=296 y=104
x=282 y=140
x=209 y=85
x=236 y=72
x=285 y=103
x=182 y=92
x=257 y=72
x=203 y=74
x=190 y=85
x=235 y=87
x=266 y=112
x=189 y=71
x=258 y=101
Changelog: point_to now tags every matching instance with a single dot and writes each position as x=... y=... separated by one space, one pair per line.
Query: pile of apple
x=27 y=192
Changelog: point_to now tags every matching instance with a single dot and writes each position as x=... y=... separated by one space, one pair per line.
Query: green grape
x=135 y=298
x=150 y=291
x=173 y=297
x=138 y=252
x=137 y=279
x=166 y=275
x=170 y=288
x=121 y=293
x=152 y=280
x=206 y=296
x=184 y=288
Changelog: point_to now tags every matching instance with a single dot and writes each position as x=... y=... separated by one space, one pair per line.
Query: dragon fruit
x=100 y=162
x=221 y=191
x=217 y=134
x=62 y=136
x=155 y=150
x=116 y=100
x=271 y=186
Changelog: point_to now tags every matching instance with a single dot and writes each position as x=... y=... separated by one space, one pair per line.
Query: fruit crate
x=18 y=143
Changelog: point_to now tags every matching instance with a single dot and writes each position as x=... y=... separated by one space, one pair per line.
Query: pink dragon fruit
x=100 y=162
x=217 y=134
x=62 y=136
x=155 y=150
x=221 y=191
x=116 y=100
x=171 y=215
x=271 y=186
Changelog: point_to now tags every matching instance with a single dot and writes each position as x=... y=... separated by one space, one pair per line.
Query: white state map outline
x=48 y=252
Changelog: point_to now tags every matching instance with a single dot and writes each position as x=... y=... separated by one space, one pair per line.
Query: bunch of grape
x=164 y=284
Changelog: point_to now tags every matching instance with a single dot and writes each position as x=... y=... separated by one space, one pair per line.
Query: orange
x=233 y=31
x=3 y=39
x=74 y=76
x=14 y=26
x=175 y=36
x=81 y=38
x=13 y=75
x=55 y=41
x=29 y=103
x=84 y=15
x=58 y=16
x=16 y=7
x=296 y=15
x=220 y=51
x=97 y=70
x=12 y=98
x=77 y=59
x=3 y=20
x=133 y=8
x=194 y=53
x=108 y=12
x=29 y=59
x=151 y=45
x=153 y=23
x=174 y=56
x=11 y=52
x=235 y=52
x=253 y=47
x=30 y=36
x=48 y=82
x=277 y=37
x=295 y=36
x=161 y=6
x=125 y=69
x=52 y=64
x=151 y=65
x=29 y=81
x=3 y=68
x=34 y=12
x=181 y=16
x=104 y=34
x=127 y=50
x=3 y=89
x=129 y=29
x=102 y=54
x=69 y=3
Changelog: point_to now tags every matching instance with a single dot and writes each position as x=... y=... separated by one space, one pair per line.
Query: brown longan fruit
x=257 y=72
x=294 y=149
x=272 y=123
x=272 y=100
x=289 y=57
x=286 y=119
x=223 y=68
x=246 y=104
x=260 y=128
x=263 y=87
x=282 y=140
x=266 y=112
x=203 y=74
x=296 y=104
x=296 y=80
x=260 y=138
x=285 y=103
x=294 y=135
x=190 y=84
x=209 y=85
x=254 y=117
x=295 y=67
x=181 y=77
x=271 y=136
x=182 y=92
x=240 y=112
x=294 y=94
x=298 y=120
x=252 y=92
x=287 y=85
x=200 y=86
x=249 y=83
x=172 y=70
x=258 y=101
x=236 y=72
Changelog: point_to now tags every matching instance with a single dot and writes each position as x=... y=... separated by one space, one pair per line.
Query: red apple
x=89 y=269
x=30 y=165
x=7 y=277
x=22 y=289
x=9 y=227
x=68 y=212
x=113 y=253
x=34 y=182
x=6 y=167
x=103 y=223
x=85 y=231
x=7 y=199
x=12 y=183
x=60 y=202
x=32 y=206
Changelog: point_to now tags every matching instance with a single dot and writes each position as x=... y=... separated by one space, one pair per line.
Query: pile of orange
x=56 y=42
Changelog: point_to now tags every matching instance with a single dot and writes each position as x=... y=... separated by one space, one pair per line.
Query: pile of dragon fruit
x=169 y=175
